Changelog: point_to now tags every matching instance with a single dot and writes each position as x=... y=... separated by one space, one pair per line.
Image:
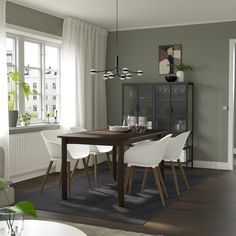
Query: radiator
x=28 y=156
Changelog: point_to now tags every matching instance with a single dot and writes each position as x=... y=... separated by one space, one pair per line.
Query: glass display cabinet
x=163 y=106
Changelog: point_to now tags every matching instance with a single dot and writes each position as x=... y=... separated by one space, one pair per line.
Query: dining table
x=106 y=137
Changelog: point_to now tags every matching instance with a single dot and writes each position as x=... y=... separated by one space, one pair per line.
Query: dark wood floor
x=208 y=209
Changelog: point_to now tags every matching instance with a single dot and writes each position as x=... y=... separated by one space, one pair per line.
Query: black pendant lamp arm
x=122 y=73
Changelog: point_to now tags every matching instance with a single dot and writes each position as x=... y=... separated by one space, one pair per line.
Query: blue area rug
x=101 y=202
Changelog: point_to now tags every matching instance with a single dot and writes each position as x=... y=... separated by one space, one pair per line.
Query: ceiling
x=136 y=14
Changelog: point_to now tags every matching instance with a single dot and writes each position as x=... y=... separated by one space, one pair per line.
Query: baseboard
x=211 y=165
x=30 y=175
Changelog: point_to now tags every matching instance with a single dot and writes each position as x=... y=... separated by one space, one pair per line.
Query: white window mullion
x=20 y=49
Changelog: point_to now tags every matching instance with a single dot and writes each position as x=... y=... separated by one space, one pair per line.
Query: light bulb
x=139 y=72
x=122 y=77
x=125 y=70
x=111 y=76
x=92 y=71
x=128 y=76
x=105 y=76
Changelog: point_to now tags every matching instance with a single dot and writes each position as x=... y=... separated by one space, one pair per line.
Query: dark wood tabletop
x=106 y=137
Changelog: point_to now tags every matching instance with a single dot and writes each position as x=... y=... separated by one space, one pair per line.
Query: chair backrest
x=175 y=146
x=53 y=143
x=147 y=153
x=94 y=149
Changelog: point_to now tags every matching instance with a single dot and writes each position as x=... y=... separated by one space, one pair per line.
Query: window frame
x=20 y=37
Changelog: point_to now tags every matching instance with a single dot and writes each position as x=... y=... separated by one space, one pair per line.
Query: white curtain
x=4 y=130
x=83 y=97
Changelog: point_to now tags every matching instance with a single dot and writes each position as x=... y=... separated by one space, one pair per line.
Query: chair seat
x=182 y=157
x=143 y=165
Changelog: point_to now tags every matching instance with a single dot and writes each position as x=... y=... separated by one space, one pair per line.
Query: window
x=38 y=63
x=34 y=85
x=35 y=107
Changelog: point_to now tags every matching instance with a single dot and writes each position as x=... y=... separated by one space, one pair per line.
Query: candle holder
x=55 y=116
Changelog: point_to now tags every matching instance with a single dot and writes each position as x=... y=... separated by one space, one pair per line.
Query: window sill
x=33 y=128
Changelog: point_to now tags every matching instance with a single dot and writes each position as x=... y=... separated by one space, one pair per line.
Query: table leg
x=121 y=175
x=114 y=162
x=64 y=169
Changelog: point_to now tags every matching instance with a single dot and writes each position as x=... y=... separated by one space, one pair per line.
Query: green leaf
x=34 y=91
x=2 y=185
x=15 y=76
x=24 y=207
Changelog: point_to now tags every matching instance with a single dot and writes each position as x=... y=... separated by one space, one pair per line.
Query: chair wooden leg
x=144 y=179
x=183 y=174
x=68 y=178
x=159 y=186
x=73 y=172
x=95 y=170
x=175 y=178
x=161 y=181
x=86 y=171
x=46 y=175
x=109 y=164
x=127 y=176
x=131 y=179
x=88 y=160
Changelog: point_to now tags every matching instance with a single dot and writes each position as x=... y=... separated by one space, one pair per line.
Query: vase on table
x=11 y=223
x=180 y=76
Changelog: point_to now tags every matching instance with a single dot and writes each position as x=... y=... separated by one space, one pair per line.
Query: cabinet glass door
x=178 y=108
x=130 y=103
x=145 y=108
x=162 y=107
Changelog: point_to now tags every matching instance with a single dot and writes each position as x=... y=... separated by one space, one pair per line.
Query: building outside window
x=34 y=85
x=35 y=107
x=38 y=62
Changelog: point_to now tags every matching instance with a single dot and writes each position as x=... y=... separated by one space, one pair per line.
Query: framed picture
x=169 y=55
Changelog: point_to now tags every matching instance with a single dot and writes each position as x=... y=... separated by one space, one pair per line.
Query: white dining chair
x=174 y=153
x=75 y=152
x=147 y=155
x=95 y=151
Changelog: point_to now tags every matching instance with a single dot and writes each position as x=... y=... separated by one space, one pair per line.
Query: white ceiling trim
x=173 y=25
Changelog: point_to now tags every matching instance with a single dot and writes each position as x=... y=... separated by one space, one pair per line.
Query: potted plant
x=15 y=77
x=180 y=70
x=25 y=118
x=11 y=217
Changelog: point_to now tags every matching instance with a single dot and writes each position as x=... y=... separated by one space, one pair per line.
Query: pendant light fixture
x=117 y=71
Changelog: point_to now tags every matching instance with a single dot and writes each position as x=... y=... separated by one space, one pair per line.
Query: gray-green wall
x=32 y=19
x=206 y=48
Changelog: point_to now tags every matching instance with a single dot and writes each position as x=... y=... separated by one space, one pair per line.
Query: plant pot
x=13 y=117
x=171 y=78
x=180 y=76
x=11 y=223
